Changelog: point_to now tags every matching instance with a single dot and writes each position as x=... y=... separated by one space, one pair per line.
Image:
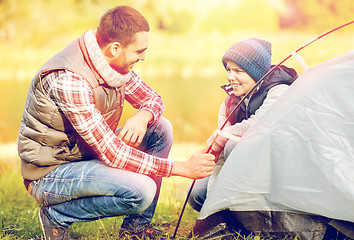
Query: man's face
x=130 y=54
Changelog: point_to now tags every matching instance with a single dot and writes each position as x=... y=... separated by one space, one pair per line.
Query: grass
x=19 y=212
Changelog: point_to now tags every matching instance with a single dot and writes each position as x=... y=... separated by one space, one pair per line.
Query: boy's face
x=124 y=61
x=240 y=81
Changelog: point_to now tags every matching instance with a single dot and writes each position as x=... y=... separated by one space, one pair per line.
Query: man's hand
x=134 y=129
x=199 y=165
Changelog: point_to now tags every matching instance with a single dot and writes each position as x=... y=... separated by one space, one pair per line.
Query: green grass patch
x=19 y=212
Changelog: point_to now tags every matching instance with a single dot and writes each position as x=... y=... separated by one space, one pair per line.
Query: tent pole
x=183 y=208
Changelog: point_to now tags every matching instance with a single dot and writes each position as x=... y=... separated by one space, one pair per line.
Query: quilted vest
x=46 y=137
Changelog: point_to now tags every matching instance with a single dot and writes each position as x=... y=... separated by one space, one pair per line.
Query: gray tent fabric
x=292 y=173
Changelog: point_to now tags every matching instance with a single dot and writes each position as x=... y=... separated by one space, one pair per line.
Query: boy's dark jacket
x=281 y=75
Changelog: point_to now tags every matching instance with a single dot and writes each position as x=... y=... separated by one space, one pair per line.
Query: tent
x=292 y=173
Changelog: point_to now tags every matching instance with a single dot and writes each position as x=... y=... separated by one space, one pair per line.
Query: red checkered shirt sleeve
x=75 y=98
x=142 y=97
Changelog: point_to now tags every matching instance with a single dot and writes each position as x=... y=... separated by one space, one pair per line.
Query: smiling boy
x=246 y=63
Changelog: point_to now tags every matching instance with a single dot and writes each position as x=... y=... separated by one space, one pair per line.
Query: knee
x=165 y=127
x=159 y=138
x=148 y=197
x=229 y=146
x=141 y=197
x=194 y=202
x=198 y=194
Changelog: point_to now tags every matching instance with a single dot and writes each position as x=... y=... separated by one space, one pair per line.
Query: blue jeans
x=199 y=192
x=88 y=190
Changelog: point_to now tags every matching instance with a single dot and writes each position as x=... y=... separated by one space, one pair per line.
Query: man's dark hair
x=119 y=24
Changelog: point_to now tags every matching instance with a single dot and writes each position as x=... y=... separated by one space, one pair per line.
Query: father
x=74 y=160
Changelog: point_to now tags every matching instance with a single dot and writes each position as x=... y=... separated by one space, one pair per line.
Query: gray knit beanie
x=253 y=55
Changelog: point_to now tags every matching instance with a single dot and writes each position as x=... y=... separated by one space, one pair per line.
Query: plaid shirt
x=75 y=98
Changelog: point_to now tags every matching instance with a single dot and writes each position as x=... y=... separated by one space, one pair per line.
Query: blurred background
x=187 y=41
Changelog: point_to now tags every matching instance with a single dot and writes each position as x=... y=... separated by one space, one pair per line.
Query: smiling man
x=75 y=159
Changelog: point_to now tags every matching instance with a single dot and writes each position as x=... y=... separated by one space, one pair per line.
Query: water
x=12 y=99
x=191 y=105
